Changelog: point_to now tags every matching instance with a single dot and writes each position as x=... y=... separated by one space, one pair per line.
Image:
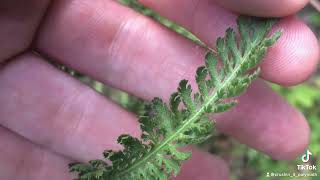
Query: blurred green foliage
x=245 y=163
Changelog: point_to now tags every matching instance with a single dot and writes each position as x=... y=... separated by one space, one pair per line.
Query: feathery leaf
x=157 y=155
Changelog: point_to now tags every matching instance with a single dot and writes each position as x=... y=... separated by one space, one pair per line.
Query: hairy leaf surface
x=157 y=155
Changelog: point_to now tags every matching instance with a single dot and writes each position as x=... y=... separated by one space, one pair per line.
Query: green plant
x=165 y=130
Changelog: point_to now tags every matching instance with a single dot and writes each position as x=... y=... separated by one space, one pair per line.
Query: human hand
x=49 y=119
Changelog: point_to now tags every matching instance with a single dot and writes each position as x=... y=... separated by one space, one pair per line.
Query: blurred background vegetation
x=245 y=163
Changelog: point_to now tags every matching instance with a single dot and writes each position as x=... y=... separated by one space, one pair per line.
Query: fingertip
x=293 y=144
x=294 y=57
x=271 y=8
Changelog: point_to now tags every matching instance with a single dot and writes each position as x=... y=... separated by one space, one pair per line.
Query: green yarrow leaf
x=157 y=155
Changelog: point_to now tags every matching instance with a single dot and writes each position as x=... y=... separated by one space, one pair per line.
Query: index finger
x=207 y=20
